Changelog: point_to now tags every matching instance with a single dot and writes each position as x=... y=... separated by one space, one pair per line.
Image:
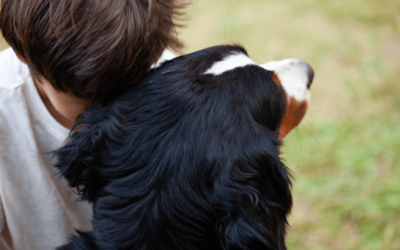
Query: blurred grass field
x=344 y=155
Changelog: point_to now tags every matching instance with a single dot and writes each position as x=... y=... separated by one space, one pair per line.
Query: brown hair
x=77 y=44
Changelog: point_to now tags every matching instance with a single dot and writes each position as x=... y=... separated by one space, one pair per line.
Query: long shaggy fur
x=184 y=160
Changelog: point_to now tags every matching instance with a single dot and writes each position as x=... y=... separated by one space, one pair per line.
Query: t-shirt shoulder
x=12 y=72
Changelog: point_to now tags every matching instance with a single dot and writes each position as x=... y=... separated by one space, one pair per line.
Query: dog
x=188 y=158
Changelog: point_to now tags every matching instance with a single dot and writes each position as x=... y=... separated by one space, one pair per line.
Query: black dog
x=186 y=159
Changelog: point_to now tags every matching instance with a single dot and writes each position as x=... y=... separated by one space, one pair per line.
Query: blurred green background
x=344 y=155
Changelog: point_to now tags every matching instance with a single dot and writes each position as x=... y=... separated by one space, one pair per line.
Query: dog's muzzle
x=295 y=75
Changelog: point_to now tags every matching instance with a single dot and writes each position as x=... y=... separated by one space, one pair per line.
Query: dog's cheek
x=294 y=114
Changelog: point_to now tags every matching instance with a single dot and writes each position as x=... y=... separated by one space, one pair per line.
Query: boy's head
x=91 y=49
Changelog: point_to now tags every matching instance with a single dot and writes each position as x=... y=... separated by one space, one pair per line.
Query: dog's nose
x=310 y=74
x=292 y=70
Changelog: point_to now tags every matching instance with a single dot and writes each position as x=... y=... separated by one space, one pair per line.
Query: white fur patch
x=230 y=62
x=165 y=56
x=293 y=75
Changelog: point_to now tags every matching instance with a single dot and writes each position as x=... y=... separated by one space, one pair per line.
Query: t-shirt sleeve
x=2 y=218
x=4 y=235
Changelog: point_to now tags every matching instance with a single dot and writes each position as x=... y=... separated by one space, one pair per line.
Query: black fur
x=184 y=160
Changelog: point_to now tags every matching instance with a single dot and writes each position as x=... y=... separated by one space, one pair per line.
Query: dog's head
x=296 y=77
x=189 y=157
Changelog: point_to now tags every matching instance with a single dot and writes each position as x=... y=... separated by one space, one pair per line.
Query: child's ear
x=79 y=162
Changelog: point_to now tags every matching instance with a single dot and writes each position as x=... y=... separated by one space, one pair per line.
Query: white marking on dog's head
x=230 y=62
x=295 y=76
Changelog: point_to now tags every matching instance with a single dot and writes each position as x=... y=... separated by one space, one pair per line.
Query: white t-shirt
x=37 y=209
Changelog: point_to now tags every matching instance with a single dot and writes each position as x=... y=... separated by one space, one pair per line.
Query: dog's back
x=186 y=159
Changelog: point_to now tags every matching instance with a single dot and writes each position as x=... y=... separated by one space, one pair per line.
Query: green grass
x=347 y=183
x=345 y=154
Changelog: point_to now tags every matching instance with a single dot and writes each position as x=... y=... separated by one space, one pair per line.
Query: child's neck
x=60 y=118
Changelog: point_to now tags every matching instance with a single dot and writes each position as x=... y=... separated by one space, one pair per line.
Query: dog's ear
x=270 y=106
x=79 y=160
x=255 y=204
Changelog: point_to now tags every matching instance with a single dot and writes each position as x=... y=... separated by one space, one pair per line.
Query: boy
x=72 y=54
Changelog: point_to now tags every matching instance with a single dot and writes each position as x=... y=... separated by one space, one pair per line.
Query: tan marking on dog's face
x=295 y=112
x=276 y=79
